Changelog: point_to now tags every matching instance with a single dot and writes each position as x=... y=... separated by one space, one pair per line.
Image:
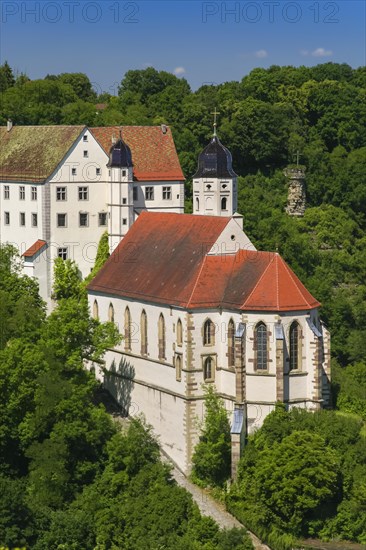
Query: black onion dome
x=120 y=155
x=215 y=161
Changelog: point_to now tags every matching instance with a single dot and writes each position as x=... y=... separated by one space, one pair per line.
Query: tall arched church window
x=143 y=329
x=208 y=373
x=127 y=329
x=111 y=313
x=208 y=333
x=179 y=332
x=231 y=344
x=197 y=203
x=294 y=346
x=95 y=310
x=178 y=367
x=261 y=347
x=161 y=334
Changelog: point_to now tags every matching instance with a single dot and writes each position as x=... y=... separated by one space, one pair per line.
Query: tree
x=7 y=79
x=212 y=455
x=101 y=257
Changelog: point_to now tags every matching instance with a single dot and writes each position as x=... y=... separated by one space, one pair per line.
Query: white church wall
x=231 y=240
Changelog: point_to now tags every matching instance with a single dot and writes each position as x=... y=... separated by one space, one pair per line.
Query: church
x=197 y=304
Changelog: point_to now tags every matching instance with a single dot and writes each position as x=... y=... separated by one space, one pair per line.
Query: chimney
x=9 y=125
x=163 y=128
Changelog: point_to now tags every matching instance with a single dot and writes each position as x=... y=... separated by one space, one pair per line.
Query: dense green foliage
x=69 y=478
x=303 y=474
x=212 y=455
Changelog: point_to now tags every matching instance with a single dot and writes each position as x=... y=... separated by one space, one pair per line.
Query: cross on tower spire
x=215 y=113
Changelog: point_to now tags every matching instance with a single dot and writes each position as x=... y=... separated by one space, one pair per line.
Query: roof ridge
x=291 y=273
x=259 y=280
x=196 y=281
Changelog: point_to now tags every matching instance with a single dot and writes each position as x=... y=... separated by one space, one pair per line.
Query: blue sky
x=203 y=41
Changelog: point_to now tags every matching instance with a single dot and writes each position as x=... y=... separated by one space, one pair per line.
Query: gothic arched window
x=178 y=367
x=179 y=333
x=95 y=310
x=127 y=329
x=161 y=335
x=143 y=333
x=224 y=203
x=208 y=369
x=294 y=345
x=231 y=344
x=261 y=346
x=208 y=333
x=111 y=313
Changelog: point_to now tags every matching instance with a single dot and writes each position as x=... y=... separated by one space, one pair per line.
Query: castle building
x=61 y=187
x=197 y=304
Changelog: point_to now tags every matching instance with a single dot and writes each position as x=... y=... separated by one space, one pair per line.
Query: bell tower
x=120 y=199
x=215 y=190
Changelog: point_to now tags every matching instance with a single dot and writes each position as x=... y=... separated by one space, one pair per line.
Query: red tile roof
x=36 y=247
x=163 y=259
x=154 y=155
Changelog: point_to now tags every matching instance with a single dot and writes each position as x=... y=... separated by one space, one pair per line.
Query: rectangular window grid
x=83 y=219
x=6 y=192
x=61 y=193
x=21 y=192
x=83 y=193
x=34 y=193
x=149 y=193
x=167 y=193
x=62 y=253
x=61 y=220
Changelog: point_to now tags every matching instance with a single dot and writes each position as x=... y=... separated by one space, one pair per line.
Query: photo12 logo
x=69 y=12
x=270 y=12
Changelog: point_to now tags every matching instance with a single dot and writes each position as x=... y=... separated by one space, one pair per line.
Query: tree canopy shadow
x=118 y=381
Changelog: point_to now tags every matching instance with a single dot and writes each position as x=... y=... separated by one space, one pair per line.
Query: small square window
x=97 y=171
x=85 y=137
x=73 y=171
x=34 y=220
x=62 y=253
x=60 y=193
x=149 y=193
x=34 y=193
x=102 y=218
x=22 y=218
x=124 y=221
x=6 y=218
x=83 y=219
x=22 y=193
x=83 y=193
x=124 y=201
x=6 y=192
x=123 y=173
x=167 y=193
x=135 y=194
x=86 y=154
x=61 y=220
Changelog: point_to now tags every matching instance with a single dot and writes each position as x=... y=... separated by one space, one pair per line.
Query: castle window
x=60 y=193
x=135 y=194
x=143 y=333
x=95 y=310
x=62 y=253
x=73 y=171
x=149 y=193
x=61 y=220
x=231 y=344
x=6 y=192
x=86 y=154
x=124 y=201
x=208 y=333
x=208 y=374
x=83 y=219
x=102 y=218
x=34 y=218
x=179 y=333
x=167 y=193
x=6 y=218
x=85 y=138
x=124 y=221
x=22 y=218
x=97 y=171
x=178 y=367
x=197 y=203
x=294 y=346
x=161 y=333
x=22 y=193
x=123 y=173
x=111 y=313
x=83 y=193
x=224 y=203
x=34 y=194
x=261 y=347
x=127 y=329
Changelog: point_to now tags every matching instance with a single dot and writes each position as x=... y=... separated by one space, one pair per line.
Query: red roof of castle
x=164 y=259
x=153 y=151
x=36 y=247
